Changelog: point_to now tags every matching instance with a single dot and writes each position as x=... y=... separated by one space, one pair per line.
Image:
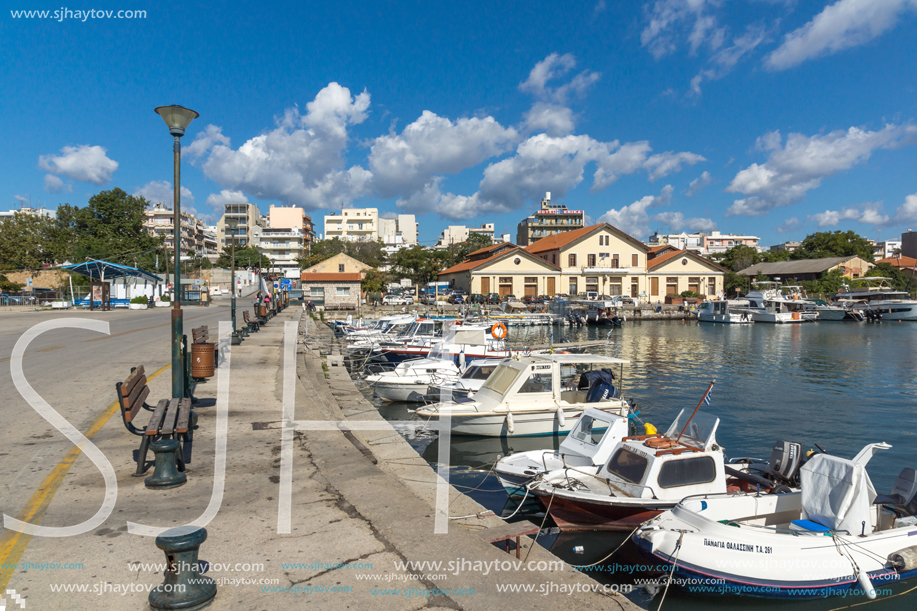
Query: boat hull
x=613 y=515
x=525 y=424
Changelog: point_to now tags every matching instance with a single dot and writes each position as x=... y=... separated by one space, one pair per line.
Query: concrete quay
x=361 y=503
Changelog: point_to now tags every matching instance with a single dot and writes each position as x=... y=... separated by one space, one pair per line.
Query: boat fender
x=509 y=423
x=649 y=429
x=904 y=559
x=781 y=490
x=866 y=585
x=561 y=420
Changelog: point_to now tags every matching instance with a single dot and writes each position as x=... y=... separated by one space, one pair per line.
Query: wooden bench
x=170 y=419
x=253 y=325
x=201 y=335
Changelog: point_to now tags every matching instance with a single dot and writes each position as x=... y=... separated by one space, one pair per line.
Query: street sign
x=28 y=282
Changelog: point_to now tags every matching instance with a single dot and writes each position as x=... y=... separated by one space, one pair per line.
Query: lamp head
x=176 y=117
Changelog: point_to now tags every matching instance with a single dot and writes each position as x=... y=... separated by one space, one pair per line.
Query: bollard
x=165 y=474
x=184 y=587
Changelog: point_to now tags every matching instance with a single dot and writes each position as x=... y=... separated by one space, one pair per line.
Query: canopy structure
x=103 y=270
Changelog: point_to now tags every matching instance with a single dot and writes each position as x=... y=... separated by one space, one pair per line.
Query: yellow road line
x=14 y=543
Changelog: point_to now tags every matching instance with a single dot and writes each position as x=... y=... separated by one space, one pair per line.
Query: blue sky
x=775 y=118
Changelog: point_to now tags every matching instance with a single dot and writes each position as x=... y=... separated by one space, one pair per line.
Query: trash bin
x=262 y=310
x=202 y=360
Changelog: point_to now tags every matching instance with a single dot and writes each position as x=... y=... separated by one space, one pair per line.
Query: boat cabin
x=684 y=461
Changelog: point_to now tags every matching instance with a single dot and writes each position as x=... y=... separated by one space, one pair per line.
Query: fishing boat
x=589 y=444
x=411 y=381
x=879 y=298
x=833 y=536
x=766 y=303
x=534 y=395
x=470 y=382
x=725 y=312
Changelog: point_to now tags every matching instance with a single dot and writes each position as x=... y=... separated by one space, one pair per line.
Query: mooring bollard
x=184 y=587
x=165 y=474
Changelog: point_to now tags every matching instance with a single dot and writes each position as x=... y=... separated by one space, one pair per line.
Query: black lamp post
x=177 y=118
x=232 y=223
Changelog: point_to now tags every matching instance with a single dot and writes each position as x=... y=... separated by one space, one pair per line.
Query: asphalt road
x=75 y=371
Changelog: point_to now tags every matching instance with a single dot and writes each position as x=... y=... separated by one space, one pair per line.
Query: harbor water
x=835 y=384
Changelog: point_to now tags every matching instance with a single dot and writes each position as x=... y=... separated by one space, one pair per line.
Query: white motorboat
x=880 y=299
x=589 y=444
x=472 y=379
x=835 y=535
x=534 y=395
x=767 y=304
x=411 y=380
x=725 y=311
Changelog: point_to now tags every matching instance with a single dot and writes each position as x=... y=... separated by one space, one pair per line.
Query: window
x=694 y=284
x=615 y=262
x=539 y=381
x=553 y=259
x=342 y=291
x=590 y=260
x=634 y=288
x=711 y=285
x=635 y=260
x=317 y=291
x=614 y=286
x=571 y=260
x=341 y=268
x=628 y=466
x=589 y=430
x=687 y=472
x=671 y=286
x=501 y=379
x=592 y=285
x=573 y=291
x=654 y=287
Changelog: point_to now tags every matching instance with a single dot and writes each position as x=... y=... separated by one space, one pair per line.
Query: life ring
x=659 y=443
x=498 y=330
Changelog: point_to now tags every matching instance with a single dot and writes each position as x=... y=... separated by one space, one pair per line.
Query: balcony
x=605 y=269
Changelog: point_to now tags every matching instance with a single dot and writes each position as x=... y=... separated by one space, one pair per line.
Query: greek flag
x=707 y=397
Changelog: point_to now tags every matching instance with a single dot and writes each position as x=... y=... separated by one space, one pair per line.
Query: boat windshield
x=479 y=372
x=501 y=379
x=701 y=428
x=589 y=430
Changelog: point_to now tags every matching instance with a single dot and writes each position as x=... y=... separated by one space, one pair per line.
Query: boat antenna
x=704 y=398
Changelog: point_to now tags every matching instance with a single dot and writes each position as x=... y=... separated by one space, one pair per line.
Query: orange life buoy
x=498 y=330
x=659 y=443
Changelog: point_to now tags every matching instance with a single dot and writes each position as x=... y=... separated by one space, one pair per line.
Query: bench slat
x=131 y=412
x=184 y=413
x=168 y=425
x=153 y=427
x=128 y=401
x=131 y=381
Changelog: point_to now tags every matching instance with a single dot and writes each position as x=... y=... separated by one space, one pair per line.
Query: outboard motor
x=786 y=458
x=600 y=383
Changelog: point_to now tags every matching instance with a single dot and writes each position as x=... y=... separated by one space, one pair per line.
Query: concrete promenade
x=361 y=504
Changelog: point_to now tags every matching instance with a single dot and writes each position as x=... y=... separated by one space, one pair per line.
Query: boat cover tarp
x=837 y=493
x=474 y=335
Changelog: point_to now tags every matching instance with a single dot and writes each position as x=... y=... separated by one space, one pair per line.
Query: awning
x=103 y=270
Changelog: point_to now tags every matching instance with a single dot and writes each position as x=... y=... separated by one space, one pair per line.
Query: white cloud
x=636 y=220
x=160 y=192
x=789 y=225
x=666 y=163
x=226 y=196
x=22 y=199
x=556 y=66
x=907 y=212
x=204 y=141
x=870 y=213
x=84 y=163
x=699 y=183
x=599 y=8
x=300 y=160
x=723 y=61
x=549 y=118
x=802 y=163
x=53 y=184
x=668 y=18
x=403 y=164
x=844 y=24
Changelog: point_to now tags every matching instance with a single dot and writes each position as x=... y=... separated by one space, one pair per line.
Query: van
x=592 y=295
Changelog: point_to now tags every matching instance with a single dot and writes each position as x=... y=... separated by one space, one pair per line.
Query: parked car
x=456 y=298
x=561 y=296
x=492 y=298
x=509 y=297
x=395 y=299
x=477 y=299
x=429 y=299
x=592 y=295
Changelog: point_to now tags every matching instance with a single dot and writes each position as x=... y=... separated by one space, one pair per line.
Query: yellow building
x=599 y=259
x=338 y=264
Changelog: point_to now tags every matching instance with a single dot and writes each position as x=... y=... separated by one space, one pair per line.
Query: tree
x=8 y=286
x=475 y=241
x=373 y=281
x=418 y=264
x=371 y=253
x=110 y=227
x=30 y=241
x=833 y=244
x=246 y=256
x=740 y=257
x=900 y=280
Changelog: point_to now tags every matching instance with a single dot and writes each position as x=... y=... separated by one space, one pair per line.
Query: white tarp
x=837 y=493
x=473 y=335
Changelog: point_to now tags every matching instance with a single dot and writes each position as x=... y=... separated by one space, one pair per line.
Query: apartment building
x=247 y=216
x=456 y=234
x=550 y=219
x=365 y=225
x=282 y=246
x=160 y=223
x=704 y=243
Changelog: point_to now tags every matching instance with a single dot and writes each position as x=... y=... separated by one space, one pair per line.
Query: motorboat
x=534 y=395
x=766 y=303
x=834 y=535
x=472 y=379
x=603 y=313
x=646 y=475
x=589 y=444
x=411 y=381
x=383 y=327
x=879 y=298
x=418 y=338
x=725 y=311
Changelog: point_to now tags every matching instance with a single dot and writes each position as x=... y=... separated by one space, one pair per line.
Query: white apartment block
x=456 y=234
x=8 y=214
x=159 y=223
x=248 y=216
x=886 y=249
x=704 y=243
x=282 y=245
x=365 y=225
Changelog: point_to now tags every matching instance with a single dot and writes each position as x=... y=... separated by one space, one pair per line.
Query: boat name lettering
x=540 y=367
x=738 y=547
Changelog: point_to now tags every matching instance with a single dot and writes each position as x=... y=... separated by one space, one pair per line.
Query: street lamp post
x=177 y=118
x=232 y=276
